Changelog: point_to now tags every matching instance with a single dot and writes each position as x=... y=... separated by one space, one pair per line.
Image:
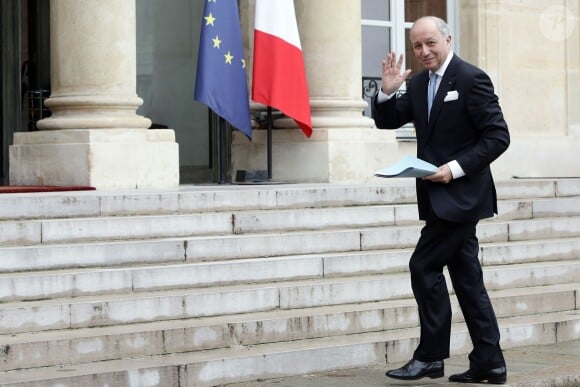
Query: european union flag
x=221 y=69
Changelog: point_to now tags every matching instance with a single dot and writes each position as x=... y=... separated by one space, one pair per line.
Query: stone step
x=567 y=206
x=194 y=249
x=327 y=241
x=187 y=335
x=529 y=251
x=219 y=247
x=101 y=281
x=76 y=230
x=307 y=323
x=279 y=196
x=491 y=254
x=73 y=230
x=403 y=214
x=49 y=205
x=94 y=281
x=164 y=337
x=534 y=229
x=108 y=228
x=105 y=254
x=373 y=215
x=300 y=357
x=511 y=209
x=189 y=199
x=246 y=290
x=192 y=199
x=313 y=293
x=537 y=188
x=143 y=298
x=531 y=274
x=487 y=232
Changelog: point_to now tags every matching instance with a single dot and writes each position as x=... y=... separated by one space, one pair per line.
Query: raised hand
x=391 y=78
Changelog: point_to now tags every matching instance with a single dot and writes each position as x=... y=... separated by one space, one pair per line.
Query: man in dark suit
x=462 y=130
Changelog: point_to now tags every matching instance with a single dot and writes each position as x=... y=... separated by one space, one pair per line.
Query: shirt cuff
x=456 y=170
x=382 y=97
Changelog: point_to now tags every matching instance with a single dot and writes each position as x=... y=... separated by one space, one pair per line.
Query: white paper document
x=409 y=166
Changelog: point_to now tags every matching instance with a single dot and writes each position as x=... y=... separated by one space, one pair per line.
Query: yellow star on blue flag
x=221 y=76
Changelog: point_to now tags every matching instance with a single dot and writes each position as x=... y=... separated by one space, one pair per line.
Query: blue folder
x=409 y=166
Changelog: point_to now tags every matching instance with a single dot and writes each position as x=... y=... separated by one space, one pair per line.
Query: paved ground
x=555 y=365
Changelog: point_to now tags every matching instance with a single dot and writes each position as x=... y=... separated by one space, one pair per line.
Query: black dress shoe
x=416 y=369
x=493 y=376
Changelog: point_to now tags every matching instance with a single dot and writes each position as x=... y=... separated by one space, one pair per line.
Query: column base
x=353 y=155
x=328 y=156
x=101 y=158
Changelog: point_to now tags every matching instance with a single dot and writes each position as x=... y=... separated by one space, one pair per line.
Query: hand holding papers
x=408 y=167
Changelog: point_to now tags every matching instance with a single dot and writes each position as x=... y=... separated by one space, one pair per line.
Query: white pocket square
x=451 y=96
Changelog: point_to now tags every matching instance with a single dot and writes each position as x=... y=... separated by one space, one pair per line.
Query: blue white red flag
x=279 y=76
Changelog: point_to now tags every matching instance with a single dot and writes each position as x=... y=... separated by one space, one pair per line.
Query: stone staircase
x=221 y=284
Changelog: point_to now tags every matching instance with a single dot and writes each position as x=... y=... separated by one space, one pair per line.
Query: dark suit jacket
x=470 y=129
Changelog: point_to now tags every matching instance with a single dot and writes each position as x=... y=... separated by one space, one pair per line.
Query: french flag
x=279 y=78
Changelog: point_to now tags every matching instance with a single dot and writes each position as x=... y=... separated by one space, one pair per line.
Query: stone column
x=542 y=124
x=330 y=32
x=94 y=136
x=344 y=145
x=331 y=46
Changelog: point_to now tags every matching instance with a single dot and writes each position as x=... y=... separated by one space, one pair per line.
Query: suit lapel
x=421 y=100
x=446 y=84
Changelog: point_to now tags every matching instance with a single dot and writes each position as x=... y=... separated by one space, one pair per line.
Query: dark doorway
x=167 y=47
x=10 y=85
x=24 y=69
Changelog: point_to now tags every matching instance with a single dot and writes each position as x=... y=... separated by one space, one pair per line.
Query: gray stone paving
x=554 y=365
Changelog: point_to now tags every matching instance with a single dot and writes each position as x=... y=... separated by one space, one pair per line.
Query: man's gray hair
x=443 y=27
x=440 y=23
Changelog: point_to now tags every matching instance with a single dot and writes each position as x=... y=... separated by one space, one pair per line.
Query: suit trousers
x=455 y=245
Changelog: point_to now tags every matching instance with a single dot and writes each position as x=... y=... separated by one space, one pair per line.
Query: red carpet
x=41 y=188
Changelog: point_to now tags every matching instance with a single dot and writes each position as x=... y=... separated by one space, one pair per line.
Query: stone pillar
x=330 y=32
x=94 y=136
x=338 y=151
x=544 y=124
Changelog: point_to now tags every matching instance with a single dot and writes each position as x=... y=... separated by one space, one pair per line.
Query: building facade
x=119 y=77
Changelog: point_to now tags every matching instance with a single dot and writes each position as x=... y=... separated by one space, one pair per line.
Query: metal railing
x=370 y=88
x=36 y=109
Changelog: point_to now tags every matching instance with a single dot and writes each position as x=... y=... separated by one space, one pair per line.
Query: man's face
x=430 y=47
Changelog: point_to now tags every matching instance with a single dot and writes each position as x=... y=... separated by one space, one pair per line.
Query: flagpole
x=269 y=144
x=223 y=157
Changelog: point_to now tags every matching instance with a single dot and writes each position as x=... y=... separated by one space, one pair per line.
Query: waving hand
x=392 y=78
